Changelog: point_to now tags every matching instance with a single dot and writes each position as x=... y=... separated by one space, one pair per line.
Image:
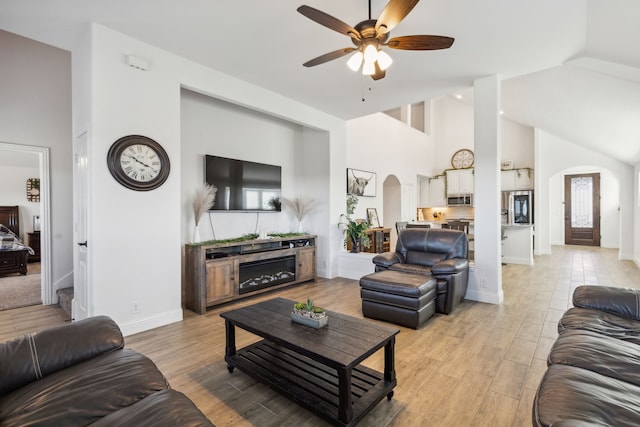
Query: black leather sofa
x=440 y=253
x=593 y=373
x=79 y=374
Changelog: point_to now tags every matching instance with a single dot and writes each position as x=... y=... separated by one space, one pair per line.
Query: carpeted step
x=65 y=296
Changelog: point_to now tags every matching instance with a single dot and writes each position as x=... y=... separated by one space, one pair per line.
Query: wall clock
x=462 y=159
x=138 y=163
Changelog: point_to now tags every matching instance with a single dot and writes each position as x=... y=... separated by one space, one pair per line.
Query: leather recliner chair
x=440 y=253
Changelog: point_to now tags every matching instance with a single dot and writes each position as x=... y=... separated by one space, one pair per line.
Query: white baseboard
x=475 y=293
x=483 y=296
x=516 y=260
x=145 y=324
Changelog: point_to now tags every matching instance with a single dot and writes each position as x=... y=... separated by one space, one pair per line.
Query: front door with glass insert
x=582 y=209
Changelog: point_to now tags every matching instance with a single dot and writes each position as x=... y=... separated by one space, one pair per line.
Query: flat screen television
x=243 y=185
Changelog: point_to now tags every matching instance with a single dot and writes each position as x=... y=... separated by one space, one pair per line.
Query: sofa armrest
x=575 y=423
x=387 y=259
x=31 y=357
x=621 y=301
x=450 y=266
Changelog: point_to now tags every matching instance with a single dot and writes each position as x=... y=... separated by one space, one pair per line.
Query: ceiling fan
x=371 y=35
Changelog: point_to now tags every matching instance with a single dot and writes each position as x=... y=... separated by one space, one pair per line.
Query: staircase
x=65 y=296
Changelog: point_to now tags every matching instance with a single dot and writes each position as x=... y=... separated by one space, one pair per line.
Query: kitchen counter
x=517 y=244
x=444 y=221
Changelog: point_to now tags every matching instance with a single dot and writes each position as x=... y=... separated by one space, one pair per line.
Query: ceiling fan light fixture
x=368 y=68
x=370 y=54
x=355 y=61
x=370 y=35
x=384 y=60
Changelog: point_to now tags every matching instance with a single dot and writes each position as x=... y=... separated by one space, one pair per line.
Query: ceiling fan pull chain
x=362 y=90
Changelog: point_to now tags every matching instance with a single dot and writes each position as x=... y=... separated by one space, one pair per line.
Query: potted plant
x=307 y=313
x=355 y=229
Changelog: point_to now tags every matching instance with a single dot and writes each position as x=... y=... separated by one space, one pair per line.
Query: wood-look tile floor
x=478 y=366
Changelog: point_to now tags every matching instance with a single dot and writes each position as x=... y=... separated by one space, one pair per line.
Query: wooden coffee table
x=318 y=368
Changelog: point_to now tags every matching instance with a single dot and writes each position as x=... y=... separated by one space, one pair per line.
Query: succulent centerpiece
x=306 y=313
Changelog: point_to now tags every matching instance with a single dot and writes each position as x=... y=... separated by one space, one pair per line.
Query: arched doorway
x=392 y=205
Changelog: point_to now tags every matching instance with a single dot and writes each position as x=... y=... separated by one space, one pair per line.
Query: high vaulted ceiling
x=569 y=67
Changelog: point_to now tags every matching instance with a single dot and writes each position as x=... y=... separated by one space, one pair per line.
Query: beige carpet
x=19 y=291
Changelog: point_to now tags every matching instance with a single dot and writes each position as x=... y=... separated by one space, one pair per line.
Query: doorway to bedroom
x=21 y=197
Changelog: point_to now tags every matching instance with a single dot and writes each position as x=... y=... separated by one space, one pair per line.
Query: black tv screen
x=243 y=185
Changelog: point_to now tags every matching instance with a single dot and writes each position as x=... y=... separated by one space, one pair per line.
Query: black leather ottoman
x=403 y=298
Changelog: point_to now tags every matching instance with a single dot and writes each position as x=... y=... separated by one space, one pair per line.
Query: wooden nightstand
x=33 y=240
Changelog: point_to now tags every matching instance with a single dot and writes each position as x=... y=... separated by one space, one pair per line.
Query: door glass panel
x=581 y=202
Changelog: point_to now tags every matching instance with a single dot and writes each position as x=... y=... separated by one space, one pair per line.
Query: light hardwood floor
x=478 y=366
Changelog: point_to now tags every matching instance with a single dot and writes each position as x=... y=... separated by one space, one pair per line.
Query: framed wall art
x=372 y=218
x=361 y=183
x=506 y=165
x=33 y=190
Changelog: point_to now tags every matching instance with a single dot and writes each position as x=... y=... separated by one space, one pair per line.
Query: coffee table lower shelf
x=310 y=383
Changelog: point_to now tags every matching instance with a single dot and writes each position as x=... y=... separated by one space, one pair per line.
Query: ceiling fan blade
x=329 y=56
x=329 y=21
x=379 y=74
x=420 y=42
x=394 y=12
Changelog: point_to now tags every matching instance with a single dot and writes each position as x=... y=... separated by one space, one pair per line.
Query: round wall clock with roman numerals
x=138 y=163
x=462 y=159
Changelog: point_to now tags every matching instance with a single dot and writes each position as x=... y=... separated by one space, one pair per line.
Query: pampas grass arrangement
x=204 y=200
x=300 y=206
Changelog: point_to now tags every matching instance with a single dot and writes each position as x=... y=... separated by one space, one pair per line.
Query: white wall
x=13 y=181
x=35 y=110
x=517 y=144
x=212 y=126
x=554 y=157
x=453 y=129
x=381 y=144
x=135 y=238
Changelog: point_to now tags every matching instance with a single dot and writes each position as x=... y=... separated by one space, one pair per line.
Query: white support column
x=486 y=283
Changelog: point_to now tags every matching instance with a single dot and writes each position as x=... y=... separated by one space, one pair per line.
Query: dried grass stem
x=204 y=200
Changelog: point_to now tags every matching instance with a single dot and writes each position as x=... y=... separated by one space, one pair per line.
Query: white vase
x=300 y=227
x=196 y=235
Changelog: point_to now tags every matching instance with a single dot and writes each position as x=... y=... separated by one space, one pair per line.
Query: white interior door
x=80 y=305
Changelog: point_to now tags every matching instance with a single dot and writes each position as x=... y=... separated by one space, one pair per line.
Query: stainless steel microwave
x=460 y=200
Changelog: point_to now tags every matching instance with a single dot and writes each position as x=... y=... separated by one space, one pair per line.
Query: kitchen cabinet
x=516 y=179
x=423 y=196
x=437 y=196
x=517 y=244
x=459 y=181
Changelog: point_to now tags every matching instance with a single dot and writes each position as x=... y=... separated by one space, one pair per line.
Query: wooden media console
x=224 y=272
